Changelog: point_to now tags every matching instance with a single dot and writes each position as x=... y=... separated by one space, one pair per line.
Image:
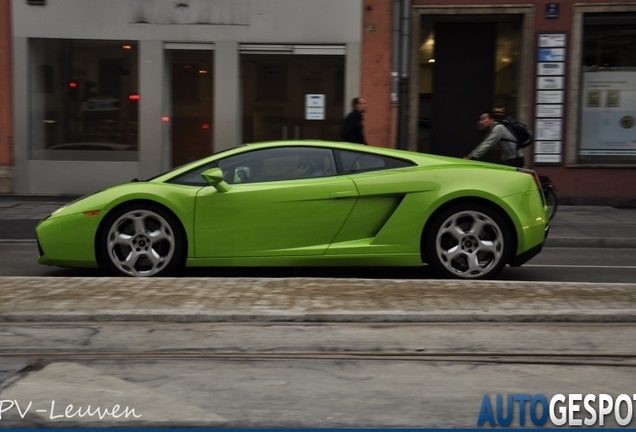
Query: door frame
x=166 y=109
x=526 y=86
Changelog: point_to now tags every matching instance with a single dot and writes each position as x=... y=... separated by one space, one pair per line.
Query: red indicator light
x=72 y=84
x=205 y=126
x=133 y=97
x=165 y=119
x=126 y=47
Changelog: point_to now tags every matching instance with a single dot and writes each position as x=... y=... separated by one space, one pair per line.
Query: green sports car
x=307 y=203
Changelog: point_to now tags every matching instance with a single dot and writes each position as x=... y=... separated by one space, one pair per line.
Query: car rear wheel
x=468 y=241
x=143 y=240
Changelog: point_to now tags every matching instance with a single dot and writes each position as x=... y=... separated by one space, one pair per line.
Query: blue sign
x=552 y=10
x=551 y=54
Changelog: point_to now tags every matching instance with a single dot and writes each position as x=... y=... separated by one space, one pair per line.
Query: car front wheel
x=142 y=240
x=468 y=241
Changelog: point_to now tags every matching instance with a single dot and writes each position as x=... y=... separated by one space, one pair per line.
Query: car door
x=282 y=201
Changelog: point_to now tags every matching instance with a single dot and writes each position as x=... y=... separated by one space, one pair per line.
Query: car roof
x=420 y=159
x=337 y=145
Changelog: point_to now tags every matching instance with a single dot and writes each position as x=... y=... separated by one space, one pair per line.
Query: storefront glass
x=608 y=89
x=292 y=96
x=84 y=98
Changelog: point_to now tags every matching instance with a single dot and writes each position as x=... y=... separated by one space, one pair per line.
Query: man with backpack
x=498 y=136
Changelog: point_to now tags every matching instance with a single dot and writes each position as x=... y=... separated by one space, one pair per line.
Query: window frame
x=608 y=21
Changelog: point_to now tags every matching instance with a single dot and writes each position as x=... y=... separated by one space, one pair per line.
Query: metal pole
x=395 y=57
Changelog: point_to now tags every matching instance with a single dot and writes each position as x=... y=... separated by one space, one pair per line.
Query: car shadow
x=423 y=272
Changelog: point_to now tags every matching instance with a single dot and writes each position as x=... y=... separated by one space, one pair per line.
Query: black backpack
x=519 y=130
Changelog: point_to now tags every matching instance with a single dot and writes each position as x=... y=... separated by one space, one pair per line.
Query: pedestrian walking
x=500 y=137
x=353 y=124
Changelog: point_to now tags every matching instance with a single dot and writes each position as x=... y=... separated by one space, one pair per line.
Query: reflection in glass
x=84 y=100
x=192 y=101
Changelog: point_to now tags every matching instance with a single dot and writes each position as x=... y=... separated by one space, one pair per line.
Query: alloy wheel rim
x=469 y=244
x=140 y=243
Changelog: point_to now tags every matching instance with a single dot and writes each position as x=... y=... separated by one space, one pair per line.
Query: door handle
x=344 y=194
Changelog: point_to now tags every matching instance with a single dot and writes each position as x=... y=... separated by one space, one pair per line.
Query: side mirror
x=214 y=177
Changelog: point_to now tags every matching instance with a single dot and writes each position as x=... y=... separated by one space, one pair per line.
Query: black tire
x=551 y=201
x=450 y=244
x=142 y=239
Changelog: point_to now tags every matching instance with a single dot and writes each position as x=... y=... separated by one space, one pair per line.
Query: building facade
x=105 y=92
x=102 y=92
x=567 y=69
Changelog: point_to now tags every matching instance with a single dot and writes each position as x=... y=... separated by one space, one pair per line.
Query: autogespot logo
x=571 y=410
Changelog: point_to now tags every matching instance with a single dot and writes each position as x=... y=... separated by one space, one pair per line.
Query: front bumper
x=67 y=241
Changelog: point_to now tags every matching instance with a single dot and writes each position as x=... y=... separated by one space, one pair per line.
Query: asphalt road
x=602 y=265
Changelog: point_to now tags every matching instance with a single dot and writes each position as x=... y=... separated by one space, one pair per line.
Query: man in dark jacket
x=352 y=125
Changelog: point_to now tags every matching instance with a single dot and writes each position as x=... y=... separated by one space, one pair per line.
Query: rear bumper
x=526 y=256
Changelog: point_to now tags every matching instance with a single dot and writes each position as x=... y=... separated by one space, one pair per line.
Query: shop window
x=84 y=100
x=275 y=88
x=608 y=89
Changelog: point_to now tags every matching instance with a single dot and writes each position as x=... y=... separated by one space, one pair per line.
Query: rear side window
x=355 y=162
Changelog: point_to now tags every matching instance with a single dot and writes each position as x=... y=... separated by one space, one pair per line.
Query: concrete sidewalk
x=593 y=226
x=64 y=299
x=573 y=226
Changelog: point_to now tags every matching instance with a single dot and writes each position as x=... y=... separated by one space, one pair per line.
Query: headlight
x=74 y=201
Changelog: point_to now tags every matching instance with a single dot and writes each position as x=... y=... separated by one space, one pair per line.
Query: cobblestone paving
x=303 y=299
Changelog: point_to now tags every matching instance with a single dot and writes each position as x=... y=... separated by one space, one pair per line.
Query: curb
x=61 y=198
x=590 y=242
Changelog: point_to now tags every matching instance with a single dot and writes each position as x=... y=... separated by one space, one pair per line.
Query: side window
x=355 y=162
x=275 y=164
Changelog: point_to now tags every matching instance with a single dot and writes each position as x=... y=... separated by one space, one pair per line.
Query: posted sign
x=314 y=107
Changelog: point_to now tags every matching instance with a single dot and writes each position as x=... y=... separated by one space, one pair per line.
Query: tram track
x=535 y=358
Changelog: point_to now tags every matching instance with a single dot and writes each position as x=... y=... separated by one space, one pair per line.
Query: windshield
x=193 y=162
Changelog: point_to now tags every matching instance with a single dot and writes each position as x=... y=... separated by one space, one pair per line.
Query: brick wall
x=377 y=39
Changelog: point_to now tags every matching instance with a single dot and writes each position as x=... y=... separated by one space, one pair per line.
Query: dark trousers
x=516 y=162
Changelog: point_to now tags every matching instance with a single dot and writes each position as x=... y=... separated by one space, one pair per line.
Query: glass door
x=191 y=101
x=292 y=96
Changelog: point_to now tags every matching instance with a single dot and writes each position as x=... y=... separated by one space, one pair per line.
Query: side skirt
x=393 y=260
